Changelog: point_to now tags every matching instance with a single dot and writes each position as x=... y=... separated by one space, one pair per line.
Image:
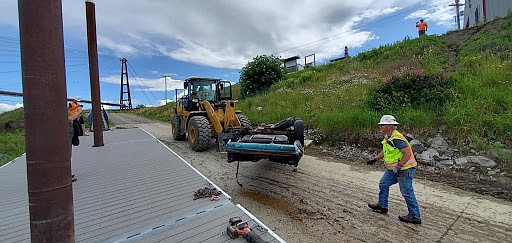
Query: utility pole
x=165 y=81
x=457 y=13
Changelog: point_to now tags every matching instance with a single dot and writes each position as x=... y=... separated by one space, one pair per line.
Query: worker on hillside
x=401 y=167
x=422 y=27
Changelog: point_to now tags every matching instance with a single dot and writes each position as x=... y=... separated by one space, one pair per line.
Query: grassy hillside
x=12 y=141
x=338 y=99
x=161 y=113
x=461 y=81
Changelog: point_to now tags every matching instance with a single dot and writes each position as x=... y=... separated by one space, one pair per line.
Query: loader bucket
x=253 y=151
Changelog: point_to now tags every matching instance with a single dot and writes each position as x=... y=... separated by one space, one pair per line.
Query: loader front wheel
x=177 y=132
x=199 y=134
x=244 y=120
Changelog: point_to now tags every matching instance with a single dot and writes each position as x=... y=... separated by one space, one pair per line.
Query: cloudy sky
x=211 y=38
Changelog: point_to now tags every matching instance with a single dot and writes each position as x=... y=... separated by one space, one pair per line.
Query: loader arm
x=230 y=117
x=212 y=116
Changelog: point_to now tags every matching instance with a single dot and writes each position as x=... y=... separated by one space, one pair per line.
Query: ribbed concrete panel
x=132 y=189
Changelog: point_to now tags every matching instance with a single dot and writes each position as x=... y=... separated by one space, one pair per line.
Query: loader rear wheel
x=199 y=133
x=298 y=130
x=244 y=120
x=177 y=132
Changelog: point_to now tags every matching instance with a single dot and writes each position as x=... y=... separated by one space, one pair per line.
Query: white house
x=478 y=11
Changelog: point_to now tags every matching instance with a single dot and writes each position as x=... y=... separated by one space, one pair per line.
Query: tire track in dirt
x=326 y=201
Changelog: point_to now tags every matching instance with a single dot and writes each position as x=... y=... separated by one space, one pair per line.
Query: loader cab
x=204 y=90
x=200 y=89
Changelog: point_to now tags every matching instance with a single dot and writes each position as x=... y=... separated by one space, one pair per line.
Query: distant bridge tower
x=127 y=102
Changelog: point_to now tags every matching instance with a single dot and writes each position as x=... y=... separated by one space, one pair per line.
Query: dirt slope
x=325 y=200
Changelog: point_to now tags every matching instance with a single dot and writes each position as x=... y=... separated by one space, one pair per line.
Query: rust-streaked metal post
x=50 y=192
x=97 y=121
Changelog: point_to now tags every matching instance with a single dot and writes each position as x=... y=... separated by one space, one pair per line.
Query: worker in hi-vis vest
x=422 y=27
x=400 y=166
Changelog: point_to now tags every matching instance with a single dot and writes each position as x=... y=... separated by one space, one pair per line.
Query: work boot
x=409 y=219
x=377 y=208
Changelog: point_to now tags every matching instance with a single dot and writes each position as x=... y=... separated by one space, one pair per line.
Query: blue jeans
x=405 y=183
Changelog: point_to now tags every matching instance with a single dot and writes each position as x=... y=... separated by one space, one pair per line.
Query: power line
x=142 y=81
x=143 y=92
x=337 y=35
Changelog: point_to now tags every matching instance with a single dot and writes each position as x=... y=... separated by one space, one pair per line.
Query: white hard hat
x=388 y=120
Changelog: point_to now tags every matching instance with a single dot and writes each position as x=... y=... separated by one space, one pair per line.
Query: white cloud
x=8 y=107
x=146 y=84
x=229 y=33
x=437 y=11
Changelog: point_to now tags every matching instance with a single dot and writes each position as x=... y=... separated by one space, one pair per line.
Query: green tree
x=259 y=74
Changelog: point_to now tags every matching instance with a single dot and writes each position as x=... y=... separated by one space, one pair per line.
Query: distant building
x=478 y=11
x=292 y=65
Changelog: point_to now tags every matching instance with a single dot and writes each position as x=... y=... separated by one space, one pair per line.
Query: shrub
x=259 y=74
x=411 y=87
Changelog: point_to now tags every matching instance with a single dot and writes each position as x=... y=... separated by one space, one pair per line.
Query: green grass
x=160 y=113
x=13 y=119
x=12 y=145
x=333 y=98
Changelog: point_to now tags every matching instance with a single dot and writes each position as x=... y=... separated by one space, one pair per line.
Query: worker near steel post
x=422 y=27
x=400 y=167
x=73 y=105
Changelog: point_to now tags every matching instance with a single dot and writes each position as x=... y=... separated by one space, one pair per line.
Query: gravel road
x=325 y=199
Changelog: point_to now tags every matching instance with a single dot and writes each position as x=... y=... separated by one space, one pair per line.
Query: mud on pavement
x=325 y=200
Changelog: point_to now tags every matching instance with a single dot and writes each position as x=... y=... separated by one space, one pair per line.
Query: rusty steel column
x=50 y=192
x=97 y=121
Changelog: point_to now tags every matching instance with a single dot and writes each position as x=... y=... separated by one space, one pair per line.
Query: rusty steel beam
x=9 y=93
x=50 y=191
x=97 y=121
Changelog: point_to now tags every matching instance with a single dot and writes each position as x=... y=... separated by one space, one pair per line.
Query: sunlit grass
x=12 y=145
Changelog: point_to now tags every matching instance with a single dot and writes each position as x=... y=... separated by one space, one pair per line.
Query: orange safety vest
x=74 y=108
x=392 y=154
x=422 y=26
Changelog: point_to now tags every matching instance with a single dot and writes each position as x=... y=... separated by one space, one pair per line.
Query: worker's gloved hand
x=371 y=161
x=396 y=171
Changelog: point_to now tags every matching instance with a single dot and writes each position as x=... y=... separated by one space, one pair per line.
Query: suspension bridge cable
x=142 y=80
x=141 y=88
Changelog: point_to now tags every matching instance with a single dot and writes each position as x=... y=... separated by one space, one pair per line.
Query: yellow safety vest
x=392 y=154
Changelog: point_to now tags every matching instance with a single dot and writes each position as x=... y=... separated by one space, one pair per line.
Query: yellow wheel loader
x=206 y=111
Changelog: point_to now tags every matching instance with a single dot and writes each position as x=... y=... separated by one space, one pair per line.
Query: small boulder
x=417 y=146
x=446 y=162
x=428 y=156
x=461 y=161
x=482 y=161
x=439 y=143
